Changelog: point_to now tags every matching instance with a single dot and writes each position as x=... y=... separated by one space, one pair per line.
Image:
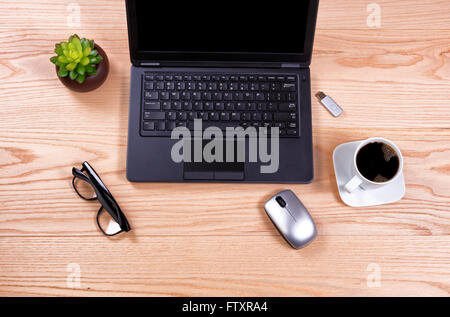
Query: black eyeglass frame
x=103 y=195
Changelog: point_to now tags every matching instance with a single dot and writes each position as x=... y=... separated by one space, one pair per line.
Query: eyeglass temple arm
x=77 y=173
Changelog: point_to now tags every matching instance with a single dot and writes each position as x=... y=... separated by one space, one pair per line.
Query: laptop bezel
x=162 y=58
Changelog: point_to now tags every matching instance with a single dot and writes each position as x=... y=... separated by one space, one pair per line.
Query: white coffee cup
x=358 y=180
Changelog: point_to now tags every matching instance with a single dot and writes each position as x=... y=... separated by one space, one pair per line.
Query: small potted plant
x=81 y=65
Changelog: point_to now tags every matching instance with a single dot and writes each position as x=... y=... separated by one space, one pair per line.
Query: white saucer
x=342 y=160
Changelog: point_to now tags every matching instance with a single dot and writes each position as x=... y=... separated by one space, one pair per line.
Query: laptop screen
x=246 y=27
x=222 y=26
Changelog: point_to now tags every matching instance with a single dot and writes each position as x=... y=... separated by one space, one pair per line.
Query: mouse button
x=305 y=228
x=272 y=206
x=293 y=204
x=283 y=221
x=279 y=216
x=304 y=233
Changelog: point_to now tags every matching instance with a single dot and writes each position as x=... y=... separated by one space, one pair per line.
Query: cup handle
x=353 y=184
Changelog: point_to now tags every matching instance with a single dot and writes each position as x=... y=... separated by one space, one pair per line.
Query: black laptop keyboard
x=220 y=100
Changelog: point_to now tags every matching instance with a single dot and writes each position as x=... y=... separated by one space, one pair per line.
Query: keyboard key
x=240 y=106
x=267 y=116
x=214 y=116
x=203 y=115
x=288 y=87
x=227 y=96
x=160 y=125
x=206 y=96
x=170 y=125
x=291 y=132
x=154 y=115
x=249 y=96
x=284 y=116
x=224 y=116
x=238 y=96
x=219 y=106
x=229 y=106
x=186 y=95
x=208 y=105
x=292 y=97
x=181 y=116
x=235 y=116
x=272 y=106
x=198 y=105
x=187 y=105
x=217 y=96
x=191 y=85
x=287 y=107
x=175 y=95
x=152 y=105
x=246 y=116
x=260 y=96
x=176 y=105
x=152 y=95
x=170 y=85
x=202 y=86
x=164 y=95
x=264 y=87
x=251 y=106
x=181 y=86
x=149 y=125
x=256 y=116
x=171 y=115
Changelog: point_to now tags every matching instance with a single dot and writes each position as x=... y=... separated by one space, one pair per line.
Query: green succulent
x=76 y=58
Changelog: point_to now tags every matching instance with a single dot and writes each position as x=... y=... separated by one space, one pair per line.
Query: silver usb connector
x=329 y=104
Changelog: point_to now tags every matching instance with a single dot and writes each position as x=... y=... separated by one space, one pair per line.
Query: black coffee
x=377 y=162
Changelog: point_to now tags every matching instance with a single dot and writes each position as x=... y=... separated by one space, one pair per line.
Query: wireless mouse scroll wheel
x=280 y=201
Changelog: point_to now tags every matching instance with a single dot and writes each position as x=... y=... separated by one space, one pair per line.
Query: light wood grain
x=215 y=239
x=224 y=266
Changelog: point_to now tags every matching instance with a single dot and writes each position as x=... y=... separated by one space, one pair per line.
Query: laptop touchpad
x=210 y=171
x=215 y=170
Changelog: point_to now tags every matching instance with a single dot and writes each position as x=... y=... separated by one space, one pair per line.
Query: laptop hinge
x=290 y=65
x=209 y=64
x=221 y=64
x=150 y=64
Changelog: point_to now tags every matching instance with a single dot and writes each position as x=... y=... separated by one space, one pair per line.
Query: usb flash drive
x=329 y=104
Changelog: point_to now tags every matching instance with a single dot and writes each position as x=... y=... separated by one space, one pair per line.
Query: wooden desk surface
x=215 y=239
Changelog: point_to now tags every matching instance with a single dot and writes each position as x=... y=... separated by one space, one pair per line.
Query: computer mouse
x=291 y=218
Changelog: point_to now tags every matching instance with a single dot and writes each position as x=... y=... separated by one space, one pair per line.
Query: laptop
x=202 y=69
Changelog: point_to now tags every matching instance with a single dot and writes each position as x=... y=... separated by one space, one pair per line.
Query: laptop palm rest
x=215 y=170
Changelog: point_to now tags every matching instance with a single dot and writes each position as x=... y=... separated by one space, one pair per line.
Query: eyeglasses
x=89 y=186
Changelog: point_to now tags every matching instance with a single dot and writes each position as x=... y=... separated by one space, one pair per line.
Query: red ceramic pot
x=91 y=82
